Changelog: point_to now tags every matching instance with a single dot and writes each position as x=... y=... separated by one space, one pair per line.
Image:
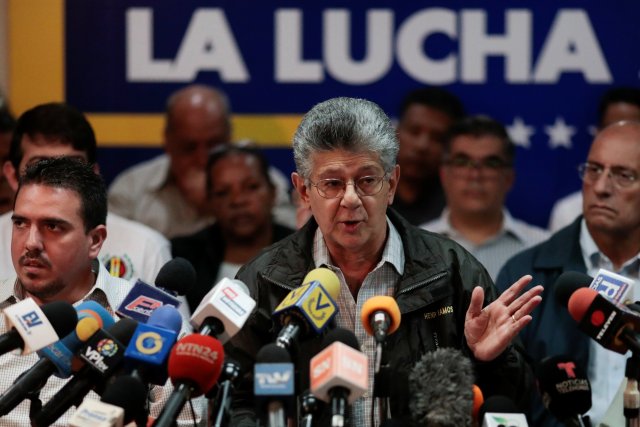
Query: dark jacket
x=205 y=250
x=433 y=295
x=552 y=331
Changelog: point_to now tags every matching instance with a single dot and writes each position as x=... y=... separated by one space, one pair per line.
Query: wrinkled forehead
x=345 y=162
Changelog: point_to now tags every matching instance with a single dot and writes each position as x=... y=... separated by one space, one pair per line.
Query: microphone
x=612 y=326
x=221 y=405
x=56 y=358
x=224 y=310
x=273 y=377
x=120 y=404
x=380 y=317
x=309 y=408
x=194 y=366
x=478 y=400
x=309 y=308
x=339 y=373
x=148 y=351
x=500 y=411
x=565 y=389
x=441 y=389
x=175 y=277
x=103 y=354
x=611 y=285
x=34 y=327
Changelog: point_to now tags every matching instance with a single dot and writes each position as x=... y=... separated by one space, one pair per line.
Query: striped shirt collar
x=392 y=253
x=102 y=291
x=594 y=259
x=442 y=225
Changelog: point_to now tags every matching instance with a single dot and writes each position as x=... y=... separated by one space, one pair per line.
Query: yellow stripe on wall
x=37 y=75
x=36 y=52
x=145 y=130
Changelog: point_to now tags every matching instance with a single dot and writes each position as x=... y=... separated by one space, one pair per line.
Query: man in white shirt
x=476 y=174
x=617 y=104
x=167 y=193
x=132 y=250
x=607 y=236
x=58 y=229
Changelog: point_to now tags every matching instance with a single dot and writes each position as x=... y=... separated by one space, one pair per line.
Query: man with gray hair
x=345 y=152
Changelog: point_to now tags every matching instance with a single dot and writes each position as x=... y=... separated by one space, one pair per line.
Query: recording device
x=339 y=373
x=308 y=409
x=177 y=276
x=123 y=401
x=308 y=309
x=148 y=351
x=103 y=355
x=57 y=358
x=224 y=310
x=34 y=327
x=617 y=288
x=478 y=400
x=610 y=325
x=194 y=366
x=500 y=411
x=174 y=278
x=565 y=389
x=441 y=389
x=380 y=317
x=273 y=383
x=221 y=404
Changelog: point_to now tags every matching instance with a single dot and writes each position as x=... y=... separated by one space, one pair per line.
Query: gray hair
x=350 y=124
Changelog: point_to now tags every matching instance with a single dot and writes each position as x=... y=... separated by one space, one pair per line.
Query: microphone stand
x=631 y=396
x=381 y=385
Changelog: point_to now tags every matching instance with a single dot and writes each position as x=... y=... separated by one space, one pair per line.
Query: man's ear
x=10 y=174
x=96 y=237
x=301 y=188
x=394 y=177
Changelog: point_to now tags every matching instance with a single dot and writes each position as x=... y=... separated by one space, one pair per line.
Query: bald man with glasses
x=607 y=236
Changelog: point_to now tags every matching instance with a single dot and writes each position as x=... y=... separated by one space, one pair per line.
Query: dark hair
x=436 y=98
x=75 y=175
x=627 y=95
x=225 y=150
x=479 y=126
x=54 y=120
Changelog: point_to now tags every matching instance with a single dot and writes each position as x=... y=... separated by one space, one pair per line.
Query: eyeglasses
x=490 y=165
x=621 y=177
x=332 y=188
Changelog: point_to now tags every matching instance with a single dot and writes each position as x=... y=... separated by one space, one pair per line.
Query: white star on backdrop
x=520 y=133
x=593 y=130
x=560 y=133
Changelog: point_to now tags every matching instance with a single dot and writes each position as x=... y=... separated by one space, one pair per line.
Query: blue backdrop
x=539 y=67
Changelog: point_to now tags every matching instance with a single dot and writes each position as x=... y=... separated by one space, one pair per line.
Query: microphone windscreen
x=177 y=275
x=569 y=282
x=95 y=310
x=327 y=279
x=342 y=335
x=62 y=317
x=380 y=303
x=478 y=400
x=123 y=330
x=86 y=327
x=441 y=389
x=273 y=353
x=167 y=317
x=564 y=387
x=580 y=302
x=197 y=360
x=499 y=404
x=128 y=393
